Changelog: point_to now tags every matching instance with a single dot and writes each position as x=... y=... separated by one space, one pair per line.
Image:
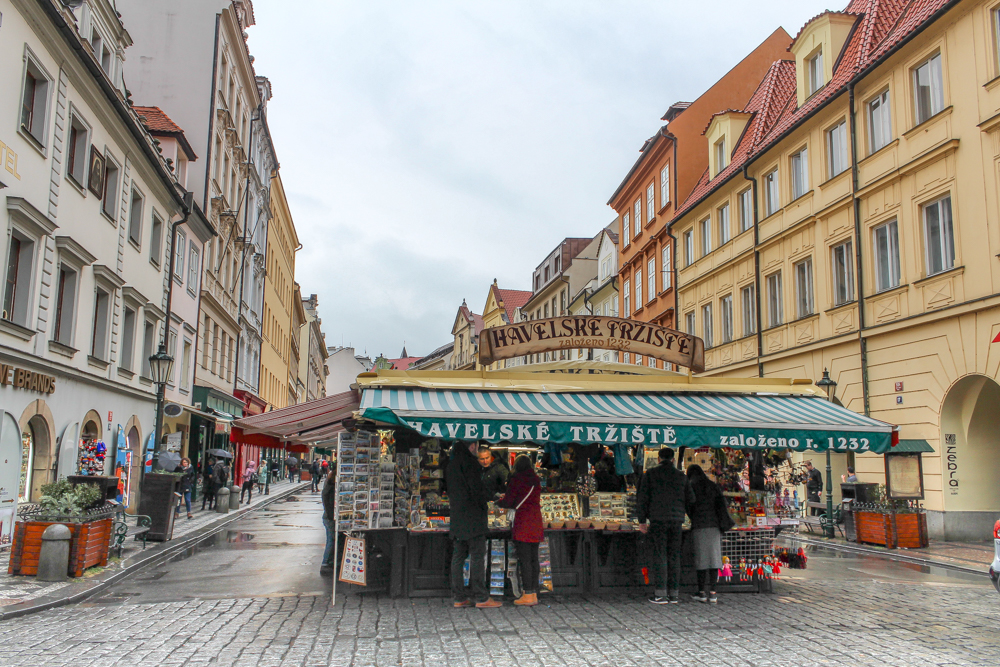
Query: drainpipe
x=756 y=271
x=859 y=281
x=673 y=239
x=188 y=204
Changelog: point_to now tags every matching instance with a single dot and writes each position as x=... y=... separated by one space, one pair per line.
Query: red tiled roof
x=404 y=363
x=613 y=235
x=477 y=322
x=512 y=300
x=882 y=25
x=158 y=122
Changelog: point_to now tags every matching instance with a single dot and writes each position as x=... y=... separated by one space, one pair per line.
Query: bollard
x=222 y=500
x=234 y=497
x=53 y=561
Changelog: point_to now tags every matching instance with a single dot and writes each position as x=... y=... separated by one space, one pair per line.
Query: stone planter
x=88 y=546
x=877 y=528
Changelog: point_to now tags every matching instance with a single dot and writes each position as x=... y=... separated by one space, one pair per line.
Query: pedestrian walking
x=709 y=519
x=468 y=527
x=220 y=474
x=329 y=496
x=291 y=463
x=249 y=479
x=495 y=472
x=524 y=494
x=208 y=485
x=187 y=483
x=662 y=499
x=276 y=469
x=814 y=486
x=314 y=473
x=262 y=475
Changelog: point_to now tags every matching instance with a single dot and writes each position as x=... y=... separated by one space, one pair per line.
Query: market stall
x=392 y=490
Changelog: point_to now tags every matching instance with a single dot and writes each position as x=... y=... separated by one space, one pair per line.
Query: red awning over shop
x=315 y=421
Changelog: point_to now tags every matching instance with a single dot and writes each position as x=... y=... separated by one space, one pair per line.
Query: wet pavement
x=252 y=595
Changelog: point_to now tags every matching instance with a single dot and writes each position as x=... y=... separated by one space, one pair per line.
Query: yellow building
x=279 y=303
x=465 y=330
x=844 y=223
x=499 y=310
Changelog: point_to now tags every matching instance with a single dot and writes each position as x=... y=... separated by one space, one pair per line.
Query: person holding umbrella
x=292 y=464
x=208 y=485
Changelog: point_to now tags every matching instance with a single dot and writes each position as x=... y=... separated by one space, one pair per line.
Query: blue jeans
x=187 y=502
x=331 y=532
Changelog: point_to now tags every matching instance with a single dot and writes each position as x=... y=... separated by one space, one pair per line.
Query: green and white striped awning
x=801 y=423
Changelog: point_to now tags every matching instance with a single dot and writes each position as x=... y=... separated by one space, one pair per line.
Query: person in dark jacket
x=706 y=534
x=208 y=487
x=314 y=473
x=495 y=473
x=329 y=496
x=468 y=503
x=187 y=484
x=814 y=486
x=663 y=497
x=524 y=495
x=607 y=479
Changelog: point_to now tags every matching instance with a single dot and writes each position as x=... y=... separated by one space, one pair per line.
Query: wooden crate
x=88 y=546
x=877 y=528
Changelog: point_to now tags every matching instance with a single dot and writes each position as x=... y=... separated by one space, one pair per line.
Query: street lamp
x=161 y=365
x=830 y=387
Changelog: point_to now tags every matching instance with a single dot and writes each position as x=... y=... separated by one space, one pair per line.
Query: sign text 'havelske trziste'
x=587 y=332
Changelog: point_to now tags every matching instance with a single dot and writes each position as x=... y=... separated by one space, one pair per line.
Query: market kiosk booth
x=392 y=491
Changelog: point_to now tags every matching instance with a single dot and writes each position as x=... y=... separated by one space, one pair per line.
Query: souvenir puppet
x=726 y=573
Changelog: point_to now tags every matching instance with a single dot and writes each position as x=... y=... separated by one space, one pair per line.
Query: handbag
x=513 y=512
x=722 y=514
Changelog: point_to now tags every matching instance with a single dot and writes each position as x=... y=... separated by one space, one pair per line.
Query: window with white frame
x=771 y=200
x=129 y=318
x=746 y=209
x=879 y=122
x=627 y=294
x=748 y=304
x=939 y=235
x=76 y=150
x=112 y=174
x=804 y=288
x=179 y=256
x=814 y=72
x=651 y=279
x=800 y=173
x=172 y=351
x=186 y=365
x=135 y=218
x=605 y=268
x=722 y=214
x=843 y=273
x=66 y=285
x=637 y=216
x=626 y=231
x=885 y=239
x=35 y=92
x=689 y=247
x=721 y=156
x=775 y=305
x=689 y=323
x=614 y=305
x=156 y=240
x=102 y=324
x=18 y=277
x=836 y=149
x=706 y=236
x=928 y=89
x=651 y=362
x=638 y=289
x=726 y=318
x=194 y=267
x=665 y=185
x=706 y=324
x=666 y=269
x=650 y=202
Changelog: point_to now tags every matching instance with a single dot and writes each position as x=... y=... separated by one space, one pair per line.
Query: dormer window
x=720 y=156
x=814 y=72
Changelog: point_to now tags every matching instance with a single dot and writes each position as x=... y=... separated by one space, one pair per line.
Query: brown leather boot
x=527 y=600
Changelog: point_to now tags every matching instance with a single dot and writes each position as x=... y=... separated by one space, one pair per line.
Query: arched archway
x=90 y=461
x=38 y=440
x=133 y=440
x=10 y=473
x=970 y=454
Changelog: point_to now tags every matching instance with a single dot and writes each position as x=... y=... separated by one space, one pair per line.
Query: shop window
x=843 y=273
x=35 y=90
x=101 y=325
x=836 y=149
x=726 y=318
x=775 y=306
x=111 y=185
x=17 y=277
x=800 y=173
x=65 y=305
x=886 y=245
x=746 y=209
x=804 y=288
x=135 y=218
x=722 y=214
x=879 y=122
x=928 y=89
x=939 y=236
x=748 y=299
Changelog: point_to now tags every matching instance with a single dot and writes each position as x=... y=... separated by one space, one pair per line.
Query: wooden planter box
x=88 y=546
x=876 y=528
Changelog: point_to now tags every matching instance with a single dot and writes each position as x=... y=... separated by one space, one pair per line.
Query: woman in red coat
x=524 y=491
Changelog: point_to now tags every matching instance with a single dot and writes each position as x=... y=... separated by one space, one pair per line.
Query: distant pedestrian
x=325 y=468
x=208 y=486
x=187 y=483
x=813 y=486
x=468 y=527
x=850 y=477
x=249 y=479
x=220 y=474
x=262 y=469
x=276 y=469
x=329 y=522
x=524 y=494
x=291 y=463
x=314 y=474
x=663 y=498
x=709 y=519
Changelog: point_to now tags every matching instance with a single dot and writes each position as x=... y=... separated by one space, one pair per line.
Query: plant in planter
x=79 y=508
x=891 y=522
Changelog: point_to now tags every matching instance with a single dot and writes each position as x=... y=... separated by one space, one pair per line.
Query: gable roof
x=159 y=123
x=470 y=317
x=512 y=299
x=882 y=26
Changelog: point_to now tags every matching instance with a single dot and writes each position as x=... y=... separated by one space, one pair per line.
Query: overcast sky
x=429 y=147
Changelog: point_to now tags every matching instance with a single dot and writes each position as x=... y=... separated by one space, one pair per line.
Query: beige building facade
x=862 y=236
x=465 y=330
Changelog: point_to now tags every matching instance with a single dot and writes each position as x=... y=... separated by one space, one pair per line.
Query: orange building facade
x=669 y=167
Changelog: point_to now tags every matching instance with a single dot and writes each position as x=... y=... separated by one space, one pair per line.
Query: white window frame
x=815 y=76
x=650 y=202
x=179 y=250
x=100 y=334
x=36 y=131
x=689 y=247
x=638 y=289
x=194 y=267
x=942 y=257
x=804 y=300
x=134 y=219
x=127 y=356
x=836 y=149
x=799 y=164
x=665 y=269
x=887 y=270
x=725 y=230
x=637 y=216
x=651 y=279
x=690 y=323
x=721 y=161
x=626 y=228
x=879 y=122
x=156 y=239
x=111 y=199
x=705 y=233
x=746 y=209
x=76 y=168
x=842 y=265
x=772 y=192
x=929 y=105
x=748 y=303
x=665 y=185
x=726 y=319
x=21 y=302
x=775 y=300
x=627 y=294
x=706 y=325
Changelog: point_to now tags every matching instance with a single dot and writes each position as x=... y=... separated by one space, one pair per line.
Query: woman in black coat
x=706 y=531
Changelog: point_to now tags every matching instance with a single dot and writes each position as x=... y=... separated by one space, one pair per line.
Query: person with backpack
x=314 y=472
x=220 y=474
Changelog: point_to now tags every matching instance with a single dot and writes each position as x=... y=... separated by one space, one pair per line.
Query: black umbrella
x=168 y=460
x=219 y=453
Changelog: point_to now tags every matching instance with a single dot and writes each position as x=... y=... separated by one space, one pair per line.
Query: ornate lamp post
x=830 y=387
x=161 y=365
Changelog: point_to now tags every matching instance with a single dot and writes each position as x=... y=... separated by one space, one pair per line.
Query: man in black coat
x=663 y=498
x=495 y=473
x=814 y=486
x=467 y=498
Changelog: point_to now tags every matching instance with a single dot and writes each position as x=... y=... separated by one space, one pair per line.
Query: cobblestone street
x=254 y=597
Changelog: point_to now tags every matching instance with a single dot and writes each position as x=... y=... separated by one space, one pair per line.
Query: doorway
x=133 y=441
x=970 y=446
